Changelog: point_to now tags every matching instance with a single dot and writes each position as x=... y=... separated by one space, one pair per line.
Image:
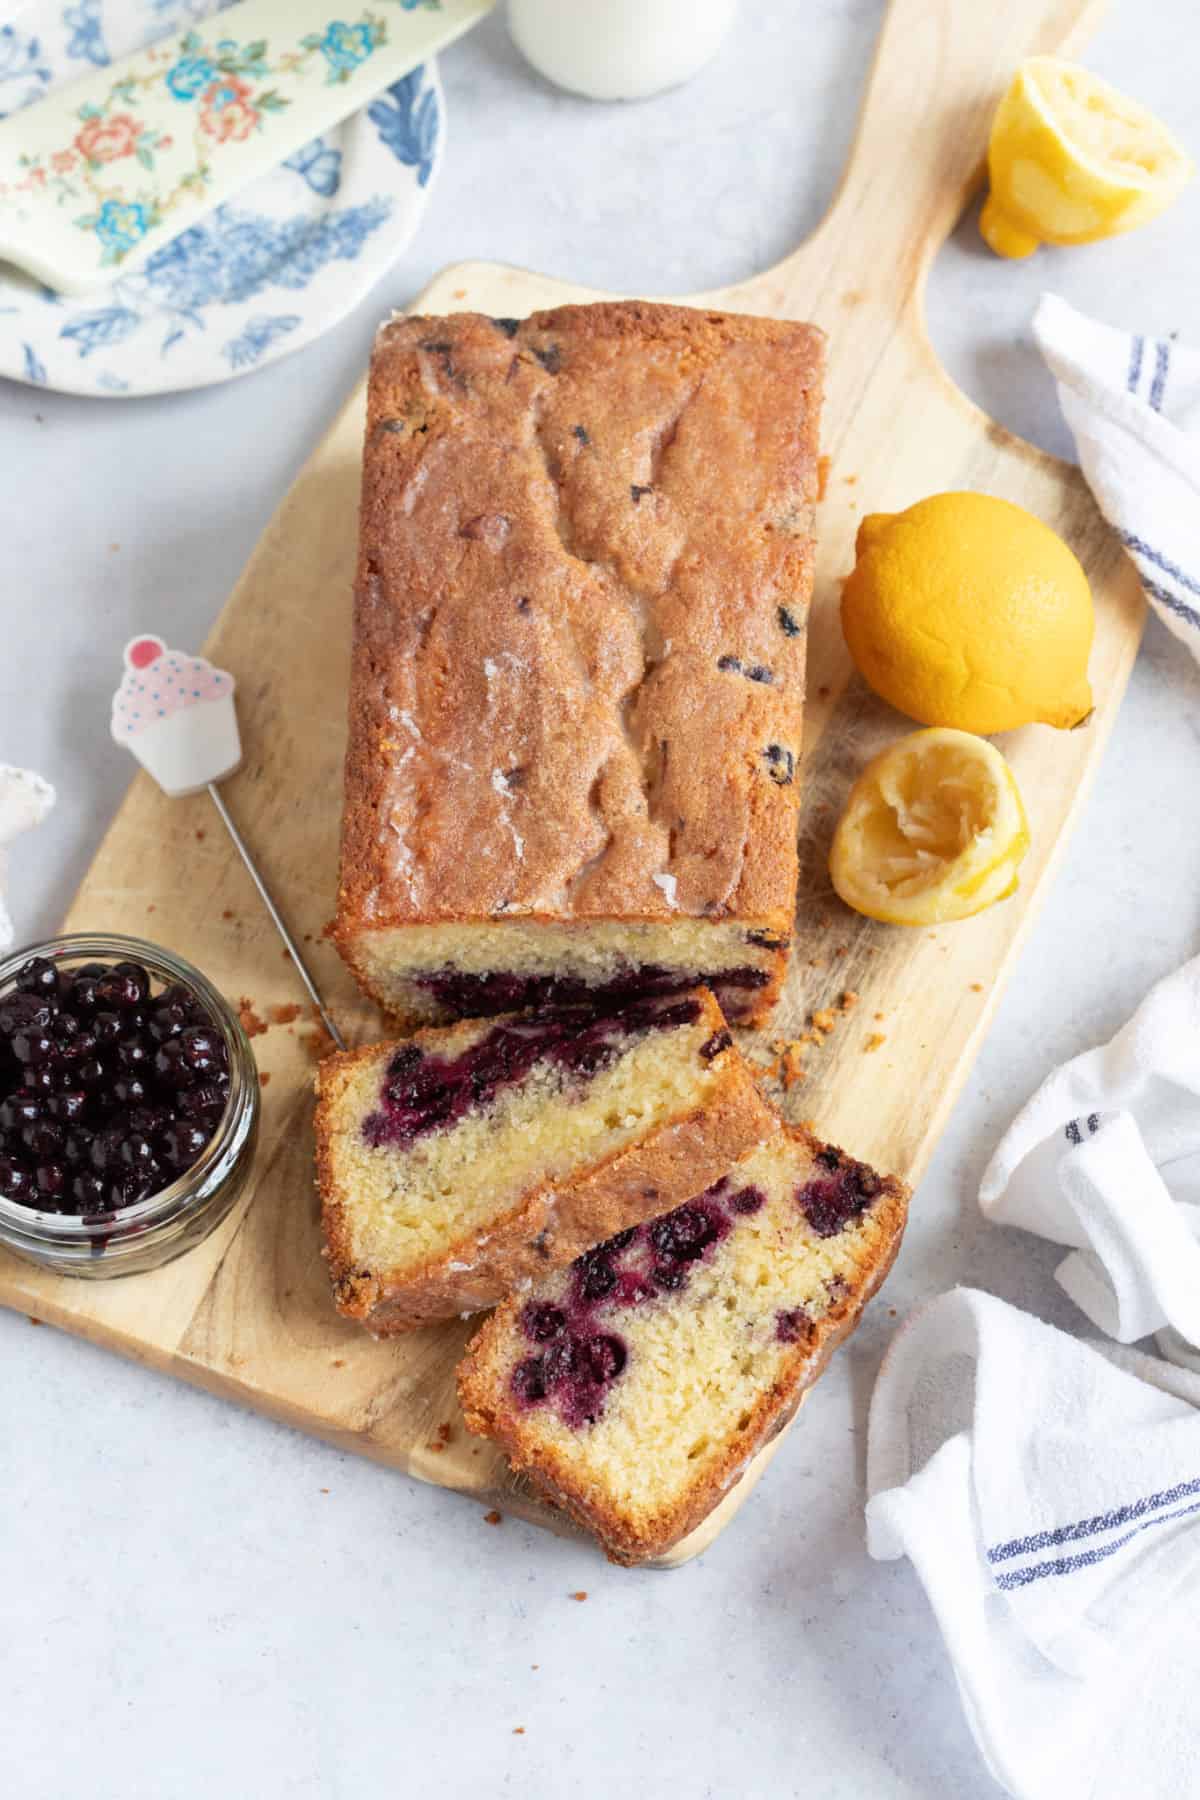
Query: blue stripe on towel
x=1135 y=364
x=1162 y=359
x=1067 y=1534
x=1067 y=1565
x=1171 y=601
x=1156 y=557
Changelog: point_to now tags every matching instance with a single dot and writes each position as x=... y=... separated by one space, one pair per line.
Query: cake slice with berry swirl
x=461 y=1164
x=635 y=1386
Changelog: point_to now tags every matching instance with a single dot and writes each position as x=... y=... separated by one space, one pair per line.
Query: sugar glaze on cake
x=576 y=694
x=464 y=1162
x=635 y=1386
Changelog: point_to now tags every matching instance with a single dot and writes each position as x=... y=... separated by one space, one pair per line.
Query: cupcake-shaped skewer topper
x=175 y=713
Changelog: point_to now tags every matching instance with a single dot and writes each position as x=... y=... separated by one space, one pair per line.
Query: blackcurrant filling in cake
x=575 y=1359
x=838 y=1194
x=577 y=1362
x=423 y=1093
x=472 y=996
x=108 y=1091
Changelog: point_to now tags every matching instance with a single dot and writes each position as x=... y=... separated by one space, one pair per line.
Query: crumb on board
x=32 y=1320
x=460 y=293
x=518 y=1731
x=445 y=1431
x=151 y=908
x=841 y=950
x=264 y=1076
x=579 y=1594
x=823 y=692
x=249 y=1020
x=339 y=1362
x=493 y=1517
x=111 y=546
x=228 y=913
x=823 y=1021
x=822 y=476
x=317 y=1042
x=283 y=1015
x=879 y=1016
x=977 y=987
x=201 y=834
x=848 y=1001
x=787 y=1066
x=286 y=954
x=873 y=1042
x=849 y=480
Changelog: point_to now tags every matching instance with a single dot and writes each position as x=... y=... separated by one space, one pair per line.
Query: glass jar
x=161 y=1227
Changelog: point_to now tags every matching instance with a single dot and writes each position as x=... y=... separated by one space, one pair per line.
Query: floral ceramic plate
x=260 y=276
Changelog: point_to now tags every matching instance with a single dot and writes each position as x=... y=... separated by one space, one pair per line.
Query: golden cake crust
x=552 y=1223
x=490 y=1412
x=584 y=573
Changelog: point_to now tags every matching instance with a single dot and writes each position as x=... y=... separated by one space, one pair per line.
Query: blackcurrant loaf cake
x=635 y=1386
x=466 y=1161
x=585 y=566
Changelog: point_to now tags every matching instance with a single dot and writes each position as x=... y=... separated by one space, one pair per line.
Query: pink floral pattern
x=103 y=140
x=226 y=111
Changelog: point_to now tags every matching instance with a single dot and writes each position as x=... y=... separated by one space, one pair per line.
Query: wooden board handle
x=940 y=67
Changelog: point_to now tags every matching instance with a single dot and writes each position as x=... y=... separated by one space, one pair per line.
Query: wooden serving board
x=248 y=1314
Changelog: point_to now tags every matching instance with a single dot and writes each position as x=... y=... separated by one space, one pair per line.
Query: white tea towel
x=25 y=799
x=1106 y=1158
x=1050 y=1503
x=1133 y=404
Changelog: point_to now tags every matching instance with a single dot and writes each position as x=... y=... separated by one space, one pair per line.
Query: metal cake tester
x=175 y=713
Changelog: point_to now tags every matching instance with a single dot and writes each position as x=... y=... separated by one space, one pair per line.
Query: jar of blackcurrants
x=129 y=1105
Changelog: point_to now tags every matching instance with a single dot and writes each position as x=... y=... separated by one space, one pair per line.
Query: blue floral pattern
x=190 y=76
x=86 y=40
x=407 y=121
x=343 y=47
x=234 y=254
x=24 y=73
x=257 y=336
x=35 y=368
x=119 y=224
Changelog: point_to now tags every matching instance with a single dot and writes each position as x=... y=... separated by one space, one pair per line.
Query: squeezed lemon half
x=1072 y=160
x=933 y=830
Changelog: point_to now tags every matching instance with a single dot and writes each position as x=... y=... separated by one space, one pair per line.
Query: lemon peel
x=933 y=830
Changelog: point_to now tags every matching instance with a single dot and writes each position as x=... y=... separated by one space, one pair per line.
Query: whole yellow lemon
x=967 y=611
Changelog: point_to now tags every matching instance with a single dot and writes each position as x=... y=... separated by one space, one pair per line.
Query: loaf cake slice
x=585 y=564
x=466 y=1161
x=635 y=1386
